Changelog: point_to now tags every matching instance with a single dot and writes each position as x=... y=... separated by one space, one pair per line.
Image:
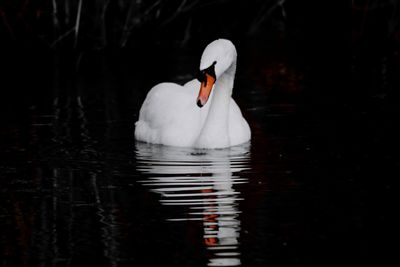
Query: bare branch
x=126 y=28
x=78 y=20
x=177 y=12
x=62 y=37
x=103 y=13
x=54 y=15
x=265 y=14
x=145 y=13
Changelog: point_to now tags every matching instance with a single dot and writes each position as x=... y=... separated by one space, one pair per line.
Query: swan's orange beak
x=205 y=90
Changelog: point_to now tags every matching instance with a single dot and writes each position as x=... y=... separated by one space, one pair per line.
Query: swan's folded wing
x=239 y=130
x=168 y=116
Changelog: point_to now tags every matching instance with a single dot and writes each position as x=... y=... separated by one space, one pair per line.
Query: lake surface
x=77 y=190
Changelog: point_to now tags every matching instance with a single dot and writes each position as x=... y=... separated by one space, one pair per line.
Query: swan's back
x=169 y=116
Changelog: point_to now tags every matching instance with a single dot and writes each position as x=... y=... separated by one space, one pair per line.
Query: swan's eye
x=201 y=75
x=211 y=70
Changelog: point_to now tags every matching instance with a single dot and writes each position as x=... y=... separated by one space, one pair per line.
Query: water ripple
x=204 y=182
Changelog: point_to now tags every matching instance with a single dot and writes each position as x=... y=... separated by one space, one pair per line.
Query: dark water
x=314 y=186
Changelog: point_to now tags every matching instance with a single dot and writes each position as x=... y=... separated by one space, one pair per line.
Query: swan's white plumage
x=169 y=114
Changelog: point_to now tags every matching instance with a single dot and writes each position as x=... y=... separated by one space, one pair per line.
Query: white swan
x=169 y=114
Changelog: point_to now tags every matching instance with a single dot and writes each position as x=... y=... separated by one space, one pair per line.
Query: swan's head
x=216 y=59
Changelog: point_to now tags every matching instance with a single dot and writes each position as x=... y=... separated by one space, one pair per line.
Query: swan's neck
x=215 y=131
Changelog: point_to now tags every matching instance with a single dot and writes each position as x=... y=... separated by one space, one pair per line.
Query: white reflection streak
x=201 y=180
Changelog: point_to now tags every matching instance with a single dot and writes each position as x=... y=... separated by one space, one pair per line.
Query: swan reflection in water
x=204 y=182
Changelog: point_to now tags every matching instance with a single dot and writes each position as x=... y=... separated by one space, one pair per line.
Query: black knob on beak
x=199 y=103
